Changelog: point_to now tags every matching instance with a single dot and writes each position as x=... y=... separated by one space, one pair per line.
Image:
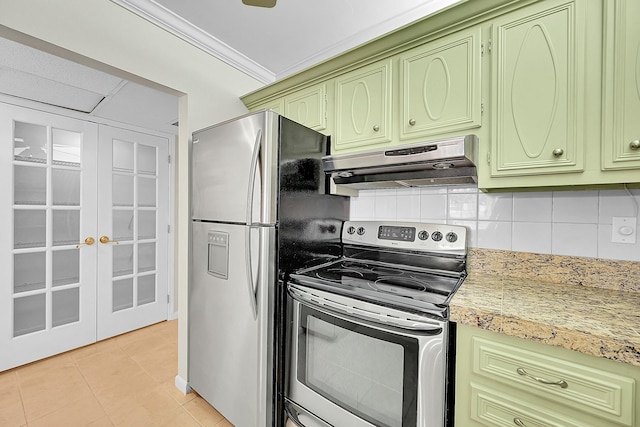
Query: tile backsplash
x=573 y=223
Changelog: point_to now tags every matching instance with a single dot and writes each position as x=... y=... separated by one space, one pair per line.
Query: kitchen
x=507 y=230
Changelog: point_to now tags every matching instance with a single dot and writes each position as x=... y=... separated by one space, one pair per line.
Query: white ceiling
x=265 y=43
x=31 y=74
x=272 y=43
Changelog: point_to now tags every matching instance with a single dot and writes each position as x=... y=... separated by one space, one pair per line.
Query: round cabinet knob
x=361 y=231
x=351 y=230
x=451 y=237
x=436 y=236
x=635 y=144
x=558 y=152
x=376 y=128
x=423 y=235
x=412 y=122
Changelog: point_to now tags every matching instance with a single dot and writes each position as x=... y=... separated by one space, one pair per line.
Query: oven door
x=356 y=364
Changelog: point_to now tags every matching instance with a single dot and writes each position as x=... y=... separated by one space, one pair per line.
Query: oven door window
x=370 y=372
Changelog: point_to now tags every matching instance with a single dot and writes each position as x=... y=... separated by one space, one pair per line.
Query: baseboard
x=182 y=384
x=173 y=316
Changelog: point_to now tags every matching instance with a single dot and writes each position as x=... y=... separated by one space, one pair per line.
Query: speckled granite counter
x=582 y=304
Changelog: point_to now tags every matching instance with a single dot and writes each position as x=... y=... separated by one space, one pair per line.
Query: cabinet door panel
x=308 y=107
x=621 y=76
x=490 y=407
x=276 y=105
x=441 y=86
x=363 y=107
x=538 y=90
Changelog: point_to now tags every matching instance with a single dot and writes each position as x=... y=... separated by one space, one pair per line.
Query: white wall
x=575 y=223
x=101 y=34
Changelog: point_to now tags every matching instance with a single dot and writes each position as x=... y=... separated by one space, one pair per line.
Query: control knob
x=351 y=230
x=423 y=235
x=436 y=236
x=451 y=237
x=361 y=231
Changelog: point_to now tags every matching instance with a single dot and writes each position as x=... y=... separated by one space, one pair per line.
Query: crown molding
x=178 y=26
x=366 y=35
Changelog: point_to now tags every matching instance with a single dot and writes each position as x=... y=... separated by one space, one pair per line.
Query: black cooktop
x=421 y=290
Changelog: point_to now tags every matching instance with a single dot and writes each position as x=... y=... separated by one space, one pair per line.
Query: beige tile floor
x=127 y=380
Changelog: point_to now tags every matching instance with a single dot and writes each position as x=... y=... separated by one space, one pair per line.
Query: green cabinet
x=275 y=105
x=308 y=107
x=504 y=381
x=441 y=86
x=550 y=87
x=621 y=77
x=363 y=107
x=538 y=90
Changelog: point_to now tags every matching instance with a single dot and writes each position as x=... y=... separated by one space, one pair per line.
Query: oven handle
x=412 y=323
x=301 y=418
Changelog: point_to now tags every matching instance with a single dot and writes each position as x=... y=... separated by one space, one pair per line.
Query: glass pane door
x=48 y=171
x=133 y=225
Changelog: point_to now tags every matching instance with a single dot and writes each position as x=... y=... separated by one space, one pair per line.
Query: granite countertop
x=582 y=304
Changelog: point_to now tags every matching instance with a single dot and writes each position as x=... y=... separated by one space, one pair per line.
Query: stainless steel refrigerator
x=260 y=210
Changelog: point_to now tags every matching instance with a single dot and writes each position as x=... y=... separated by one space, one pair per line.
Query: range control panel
x=415 y=236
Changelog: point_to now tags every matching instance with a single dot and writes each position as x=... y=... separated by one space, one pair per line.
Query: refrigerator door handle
x=255 y=158
x=253 y=297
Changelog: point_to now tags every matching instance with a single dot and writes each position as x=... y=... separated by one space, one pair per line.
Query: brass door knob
x=88 y=241
x=105 y=239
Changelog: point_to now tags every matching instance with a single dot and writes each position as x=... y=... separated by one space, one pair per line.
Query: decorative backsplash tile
x=569 y=223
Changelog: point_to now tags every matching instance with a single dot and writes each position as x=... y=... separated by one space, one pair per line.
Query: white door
x=47 y=299
x=50 y=252
x=133 y=207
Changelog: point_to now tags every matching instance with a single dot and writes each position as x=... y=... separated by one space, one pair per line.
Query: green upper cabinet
x=550 y=87
x=621 y=76
x=275 y=105
x=363 y=107
x=538 y=90
x=441 y=86
x=308 y=107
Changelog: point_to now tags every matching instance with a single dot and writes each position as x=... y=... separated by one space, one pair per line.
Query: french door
x=133 y=230
x=84 y=233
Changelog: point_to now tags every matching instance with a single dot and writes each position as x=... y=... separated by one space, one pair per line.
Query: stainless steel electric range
x=370 y=342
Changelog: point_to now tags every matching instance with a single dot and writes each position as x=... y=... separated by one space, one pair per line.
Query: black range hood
x=439 y=162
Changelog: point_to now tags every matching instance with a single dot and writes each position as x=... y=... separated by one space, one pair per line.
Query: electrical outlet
x=623 y=229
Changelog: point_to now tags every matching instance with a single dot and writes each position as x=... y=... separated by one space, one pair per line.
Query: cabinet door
x=441 y=86
x=538 y=90
x=621 y=76
x=363 y=107
x=308 y=107
x=275 y=105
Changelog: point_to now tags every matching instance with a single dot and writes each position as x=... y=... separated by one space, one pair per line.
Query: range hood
x=438 y=162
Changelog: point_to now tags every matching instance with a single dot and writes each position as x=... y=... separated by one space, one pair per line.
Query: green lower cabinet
x=508 y=381
x=538 y=89
x=621 y=77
